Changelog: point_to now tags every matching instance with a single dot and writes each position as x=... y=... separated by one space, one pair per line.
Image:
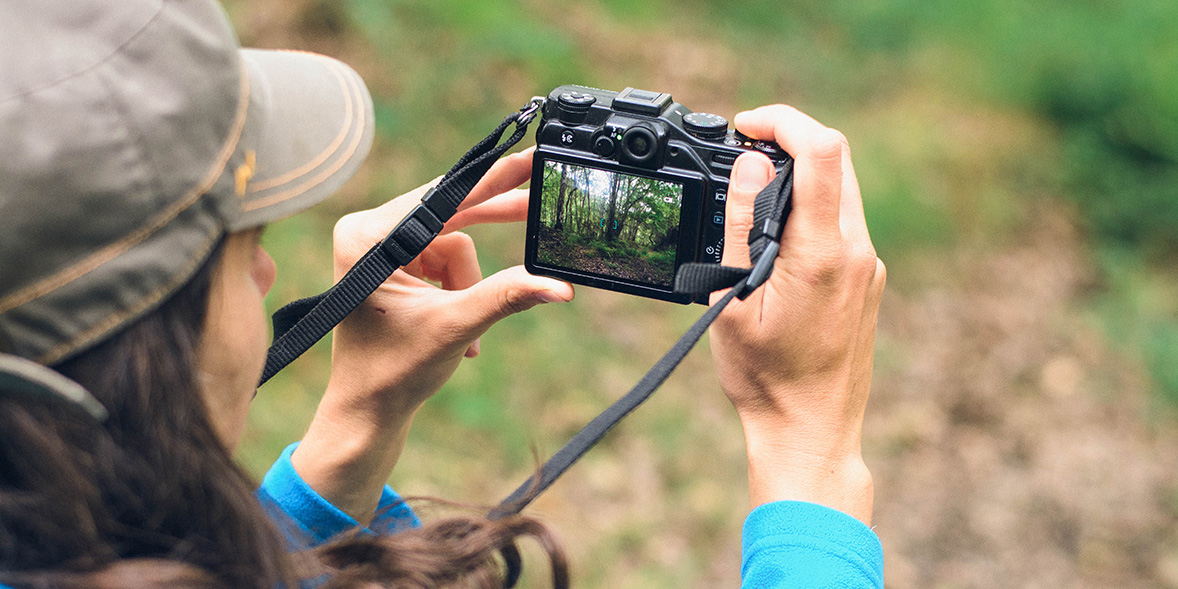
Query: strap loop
x=440 y=207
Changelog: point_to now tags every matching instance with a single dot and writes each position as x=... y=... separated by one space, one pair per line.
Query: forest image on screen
x=609 y=223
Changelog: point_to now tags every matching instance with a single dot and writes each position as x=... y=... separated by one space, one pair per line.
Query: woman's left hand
x=399 y=347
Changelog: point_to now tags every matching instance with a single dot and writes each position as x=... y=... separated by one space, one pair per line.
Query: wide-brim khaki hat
x=134 y=134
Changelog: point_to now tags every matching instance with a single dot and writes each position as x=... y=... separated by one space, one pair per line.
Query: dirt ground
x=1011 y=445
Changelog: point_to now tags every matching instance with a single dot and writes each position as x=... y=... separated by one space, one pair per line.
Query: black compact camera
x=628 y=186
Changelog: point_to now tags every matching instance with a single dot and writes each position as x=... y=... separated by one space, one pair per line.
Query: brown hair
x=151 y=498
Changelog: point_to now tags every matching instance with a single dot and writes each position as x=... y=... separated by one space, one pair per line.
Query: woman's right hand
x=795 y=357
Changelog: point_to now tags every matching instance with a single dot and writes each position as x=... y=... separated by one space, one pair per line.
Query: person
x=144 y=151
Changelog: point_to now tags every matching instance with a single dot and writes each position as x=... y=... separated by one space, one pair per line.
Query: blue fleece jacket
x=785 y=543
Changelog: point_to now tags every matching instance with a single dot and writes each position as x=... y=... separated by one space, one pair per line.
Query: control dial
x=706 y=126
x=571 y=107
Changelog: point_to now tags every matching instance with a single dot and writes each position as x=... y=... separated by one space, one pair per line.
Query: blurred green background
x=1019 y=166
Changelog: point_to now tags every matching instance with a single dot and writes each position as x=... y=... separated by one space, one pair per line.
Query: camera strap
x=770 y=209
x=298 y=325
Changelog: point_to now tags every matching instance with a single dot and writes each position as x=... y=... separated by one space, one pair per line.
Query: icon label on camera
x=566 y=138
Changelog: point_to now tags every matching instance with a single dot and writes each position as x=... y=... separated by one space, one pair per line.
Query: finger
x=852 y=221
x=818 y=167
x=389 y=214
x=508 y=207
x=504 y=293
x=451 y=260
x=865 y=343
x=751 y=172
x=507 y=173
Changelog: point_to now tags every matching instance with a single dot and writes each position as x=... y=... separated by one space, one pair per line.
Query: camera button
x=718 y=219
x=721 y=195
x=724 y=159
x=767 y=147
x=571 y=107
x=577 y=99
x=604 y=146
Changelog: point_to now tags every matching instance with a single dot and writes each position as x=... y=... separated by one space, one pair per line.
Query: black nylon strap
x=706 y=278
x=596 y=429
x=770 y=208
x=298 y=325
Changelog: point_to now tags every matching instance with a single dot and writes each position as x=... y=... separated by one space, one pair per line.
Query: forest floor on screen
x=619 y=261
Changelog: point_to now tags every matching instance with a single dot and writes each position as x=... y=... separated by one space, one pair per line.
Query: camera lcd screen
x=609 y=223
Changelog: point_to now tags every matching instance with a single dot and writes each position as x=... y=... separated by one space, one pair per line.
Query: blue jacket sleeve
x=308 y=520
x=797 y=544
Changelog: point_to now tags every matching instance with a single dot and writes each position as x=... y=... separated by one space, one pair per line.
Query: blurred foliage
x=1104 y=73
x=961 y=114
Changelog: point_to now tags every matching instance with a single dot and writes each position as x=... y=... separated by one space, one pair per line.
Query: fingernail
x=547 y=296
x=752 y=173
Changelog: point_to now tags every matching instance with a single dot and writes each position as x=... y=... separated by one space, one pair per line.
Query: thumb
x=752 y=172
x=505 y=293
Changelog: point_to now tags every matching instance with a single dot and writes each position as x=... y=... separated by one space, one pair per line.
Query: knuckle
x=512 y=301
x=863 y=262
x=880 y=277
x=779 y=110
x=462 y=240
x=451 y=327
x=345 y=226
x=834 y=263
x=737 y=225
x=829 y=144
x=827 y=265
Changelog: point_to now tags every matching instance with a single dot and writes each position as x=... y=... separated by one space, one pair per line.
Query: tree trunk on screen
x=560 y=198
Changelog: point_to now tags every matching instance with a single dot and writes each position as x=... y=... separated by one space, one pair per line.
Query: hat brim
x=25 y=377
x=308 y=127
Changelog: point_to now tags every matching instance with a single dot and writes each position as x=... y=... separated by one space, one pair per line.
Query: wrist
x=348 y=454
x=815 y=465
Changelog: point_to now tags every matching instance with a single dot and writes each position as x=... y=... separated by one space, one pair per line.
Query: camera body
x=627 y=186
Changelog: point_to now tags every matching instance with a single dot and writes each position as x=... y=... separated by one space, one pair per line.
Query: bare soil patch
x=1011 y=445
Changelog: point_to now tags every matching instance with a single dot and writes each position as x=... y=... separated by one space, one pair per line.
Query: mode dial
x=571 y=107
x=706 y=126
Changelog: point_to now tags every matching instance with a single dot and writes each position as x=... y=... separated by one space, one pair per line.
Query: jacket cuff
x=317 y=518
x=794 y=543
